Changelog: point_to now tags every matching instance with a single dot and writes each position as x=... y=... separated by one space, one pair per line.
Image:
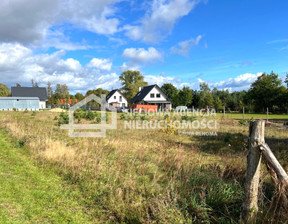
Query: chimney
x=140 y=88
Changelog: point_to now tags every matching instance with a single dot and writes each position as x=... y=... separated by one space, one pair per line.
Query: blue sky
x=88 y=44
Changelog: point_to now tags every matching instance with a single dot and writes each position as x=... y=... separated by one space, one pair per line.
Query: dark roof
x=144 y=91
x=112 y=92
x=40 y=92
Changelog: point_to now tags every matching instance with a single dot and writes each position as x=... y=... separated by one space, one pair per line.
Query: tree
x=286 y=79
x=218 y=104
x=266 y=91
x=34 y=84
x=49 y=90
x=4 y=90
x=172 y=92
x=205 y=96
x=18 y=85
x=98 y=92
x=63 y=91
x=131 y=81
x=79 y=96
x=185 y=96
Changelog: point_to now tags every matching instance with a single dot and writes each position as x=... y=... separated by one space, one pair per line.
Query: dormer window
x=152 y=95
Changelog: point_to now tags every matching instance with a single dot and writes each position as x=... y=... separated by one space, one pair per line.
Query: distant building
x=68 y=101
x=19 y=103
x=151 y=98
x=40 y=92
x=116 y=99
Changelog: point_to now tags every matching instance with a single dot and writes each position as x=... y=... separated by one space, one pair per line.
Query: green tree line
x=268 y=91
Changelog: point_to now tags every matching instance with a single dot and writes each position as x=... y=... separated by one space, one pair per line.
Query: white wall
x=155 y=91
x=117 y=96
x=42 y=105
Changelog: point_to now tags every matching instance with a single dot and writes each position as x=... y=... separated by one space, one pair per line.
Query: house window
x=158 y=95
x=120 y=98
x=152 y=95
x=114 y=97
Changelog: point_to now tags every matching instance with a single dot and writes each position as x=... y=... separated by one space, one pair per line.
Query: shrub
x=144 y=118
x=242 y=122
x=123 y=117
x=63 y=118
x=98 y=117
x=187 y=118
x=90 y=116
x=33 y=113
x=166 y=116
x=55 y=118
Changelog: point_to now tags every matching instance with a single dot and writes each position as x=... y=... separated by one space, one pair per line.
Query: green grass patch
x=34 y=194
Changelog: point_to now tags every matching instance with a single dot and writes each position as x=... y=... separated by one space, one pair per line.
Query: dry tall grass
x=147 y=176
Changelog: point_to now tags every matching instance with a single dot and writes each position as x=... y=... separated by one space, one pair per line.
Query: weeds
x=146 y=176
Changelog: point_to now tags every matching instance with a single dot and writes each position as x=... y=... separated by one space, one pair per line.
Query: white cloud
x=102 y=64
x=27 y=23
x=108 y=81
x=184 y=47
x=18 y=64
x=160 y=20
x=138 y=57
x=160 y=80
x=240 y=82
x=141 y=55
x=129 y=66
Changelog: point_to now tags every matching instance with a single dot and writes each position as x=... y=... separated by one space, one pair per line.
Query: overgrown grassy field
x=142 y=176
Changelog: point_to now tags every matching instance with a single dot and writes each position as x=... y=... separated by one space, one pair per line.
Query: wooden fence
x=258 y=150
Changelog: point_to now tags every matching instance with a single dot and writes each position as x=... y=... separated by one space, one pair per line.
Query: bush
x=144 y=118
x=63 y=118
x=98 y=117
x=166 y=116
x=242 y=122
x=33 y=113
x=187 y=118
x=123 y=117
x=55 y=118
x=90 y=116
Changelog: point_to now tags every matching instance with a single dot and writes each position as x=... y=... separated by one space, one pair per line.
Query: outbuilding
x=19 y=103
x=40 y=92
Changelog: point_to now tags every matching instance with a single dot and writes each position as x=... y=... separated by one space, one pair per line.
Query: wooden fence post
x=256 y=138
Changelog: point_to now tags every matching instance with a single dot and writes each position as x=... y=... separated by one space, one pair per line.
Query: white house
x=40 y=92
x=117 y=99
x=152 y=95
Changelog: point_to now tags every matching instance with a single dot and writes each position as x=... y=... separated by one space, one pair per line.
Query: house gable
x=145 y=95
x=115 y=96
x=155 y=94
